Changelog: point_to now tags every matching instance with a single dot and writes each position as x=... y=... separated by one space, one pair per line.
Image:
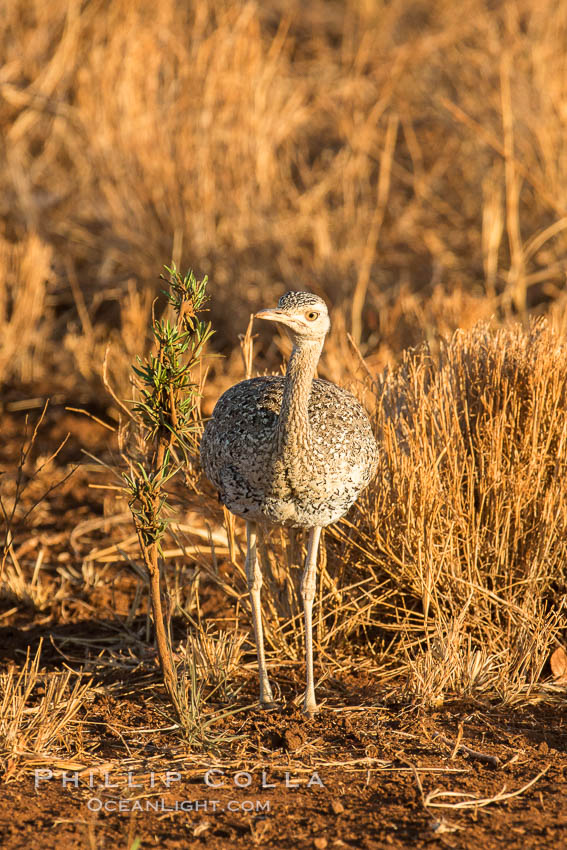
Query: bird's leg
x=254 y=580
x=308 y=583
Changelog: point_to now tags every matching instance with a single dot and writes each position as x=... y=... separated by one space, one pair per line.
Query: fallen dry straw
x=437 y=799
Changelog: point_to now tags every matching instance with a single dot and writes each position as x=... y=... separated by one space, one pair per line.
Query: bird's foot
x=310 y=709
x=268 y=705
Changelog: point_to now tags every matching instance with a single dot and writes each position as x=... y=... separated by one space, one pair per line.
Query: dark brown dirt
x=361 y=774
x=361 y=804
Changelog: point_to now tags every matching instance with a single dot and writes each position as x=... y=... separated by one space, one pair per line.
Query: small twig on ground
x=462 y=749
x=475 y=802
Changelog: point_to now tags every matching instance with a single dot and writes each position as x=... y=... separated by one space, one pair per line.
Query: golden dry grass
x=38 y=713
x=406 y=160
x=468 y=514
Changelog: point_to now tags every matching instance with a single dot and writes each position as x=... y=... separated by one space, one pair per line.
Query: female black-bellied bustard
x=293 y=451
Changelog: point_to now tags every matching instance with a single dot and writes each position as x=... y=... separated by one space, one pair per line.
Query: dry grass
x=468 y=515
x=39 y=712
x=216 y=656
x=407 y=161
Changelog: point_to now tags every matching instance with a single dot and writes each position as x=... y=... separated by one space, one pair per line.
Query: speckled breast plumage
x=316 y=487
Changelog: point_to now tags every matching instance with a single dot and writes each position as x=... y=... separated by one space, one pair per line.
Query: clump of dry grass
x=467 y=517
x=16 y=587
x=38 y=710
x=216 y=655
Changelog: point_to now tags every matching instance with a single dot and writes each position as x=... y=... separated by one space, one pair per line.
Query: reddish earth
x=361 y=804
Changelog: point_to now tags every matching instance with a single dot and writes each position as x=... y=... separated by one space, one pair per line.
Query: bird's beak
x=274 y=315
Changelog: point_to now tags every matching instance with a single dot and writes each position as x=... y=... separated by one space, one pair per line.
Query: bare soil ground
x=369 y=771
x=363 y=801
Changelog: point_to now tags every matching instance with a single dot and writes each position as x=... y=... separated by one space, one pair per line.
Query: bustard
x=293 y=451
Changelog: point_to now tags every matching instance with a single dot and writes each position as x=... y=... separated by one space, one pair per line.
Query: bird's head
x=304 y=314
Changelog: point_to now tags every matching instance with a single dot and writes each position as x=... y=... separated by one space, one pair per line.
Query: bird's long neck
x=294 y=430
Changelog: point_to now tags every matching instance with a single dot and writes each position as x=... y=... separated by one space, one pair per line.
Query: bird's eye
x=312 y=315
